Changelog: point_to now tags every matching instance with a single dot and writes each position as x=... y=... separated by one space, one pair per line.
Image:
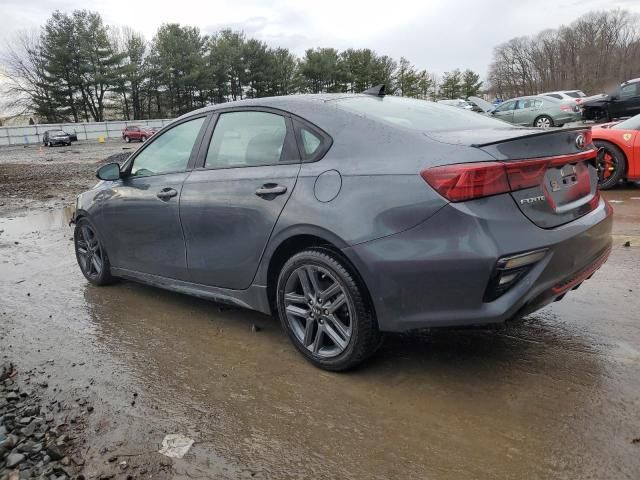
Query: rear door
x=505 y=111
x=230 y=204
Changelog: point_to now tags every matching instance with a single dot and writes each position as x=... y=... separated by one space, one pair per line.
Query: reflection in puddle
x=32 y=222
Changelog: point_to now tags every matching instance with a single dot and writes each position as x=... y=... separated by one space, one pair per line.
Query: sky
x=437 y=35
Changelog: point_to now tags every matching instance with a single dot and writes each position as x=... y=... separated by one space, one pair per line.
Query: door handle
x=271 y=189
x=166 y=193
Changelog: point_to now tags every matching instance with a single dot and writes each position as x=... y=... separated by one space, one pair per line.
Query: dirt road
x=556 y=395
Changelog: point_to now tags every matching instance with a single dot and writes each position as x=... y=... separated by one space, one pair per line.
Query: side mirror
x=109 y=172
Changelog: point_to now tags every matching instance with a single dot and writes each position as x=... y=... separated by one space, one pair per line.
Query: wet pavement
x=556 y=395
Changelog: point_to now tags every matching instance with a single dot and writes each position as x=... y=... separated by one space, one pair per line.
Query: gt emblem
x=627 y=137
x=580 y=141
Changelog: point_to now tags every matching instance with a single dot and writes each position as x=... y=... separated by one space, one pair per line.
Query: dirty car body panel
x=425 y=259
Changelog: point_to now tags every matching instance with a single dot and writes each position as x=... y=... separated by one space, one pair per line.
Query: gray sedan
x=537 y=111
x=350 y=215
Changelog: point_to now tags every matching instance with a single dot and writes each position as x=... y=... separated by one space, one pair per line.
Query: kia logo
x=580 y=141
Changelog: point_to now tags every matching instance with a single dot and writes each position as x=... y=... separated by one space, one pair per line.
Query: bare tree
x=594 y=52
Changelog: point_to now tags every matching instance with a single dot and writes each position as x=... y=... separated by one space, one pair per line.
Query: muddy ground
x=556 y=395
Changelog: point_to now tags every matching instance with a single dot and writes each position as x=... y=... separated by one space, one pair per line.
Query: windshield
x=57 y=133
x=415 y=114
x=632 y=123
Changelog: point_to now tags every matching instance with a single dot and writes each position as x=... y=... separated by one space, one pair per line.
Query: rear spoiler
x=531 y=135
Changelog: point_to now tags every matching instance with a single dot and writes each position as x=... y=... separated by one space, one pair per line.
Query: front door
x=140 y=213
x=627 y=103
x=504 y=111
x=230 y=205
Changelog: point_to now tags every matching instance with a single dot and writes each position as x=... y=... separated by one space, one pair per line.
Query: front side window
x=628 y=91
x=505 y=107
x=247 y=139
x=168 y=152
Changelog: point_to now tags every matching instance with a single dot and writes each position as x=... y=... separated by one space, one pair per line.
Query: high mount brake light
x=466 y=181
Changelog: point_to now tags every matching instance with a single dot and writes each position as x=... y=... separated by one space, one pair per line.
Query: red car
x=137 y=133
x=620 y=154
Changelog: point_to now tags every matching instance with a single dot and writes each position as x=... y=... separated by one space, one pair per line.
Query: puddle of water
x=35 y=222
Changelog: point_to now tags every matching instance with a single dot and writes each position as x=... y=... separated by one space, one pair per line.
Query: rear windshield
x=415 y=114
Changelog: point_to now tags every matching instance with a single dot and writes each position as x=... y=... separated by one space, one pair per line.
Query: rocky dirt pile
x=37 y=437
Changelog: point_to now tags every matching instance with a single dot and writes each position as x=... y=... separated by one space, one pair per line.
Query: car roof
x=289 y=103
x=633 y=80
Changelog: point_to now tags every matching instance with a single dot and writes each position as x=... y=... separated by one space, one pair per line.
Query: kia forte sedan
x=351 y=215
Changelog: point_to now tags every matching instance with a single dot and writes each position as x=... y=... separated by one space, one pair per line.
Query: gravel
x=33 y=433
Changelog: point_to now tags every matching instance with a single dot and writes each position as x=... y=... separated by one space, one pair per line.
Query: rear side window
x=246 y=139
x=554 y=95
x=415 y=114
x=575 y=94
x=310 y=141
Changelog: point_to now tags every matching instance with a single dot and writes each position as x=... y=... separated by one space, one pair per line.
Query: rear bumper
x=436 y=273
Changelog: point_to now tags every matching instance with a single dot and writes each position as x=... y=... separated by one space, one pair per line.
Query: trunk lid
x=568 y=187
x=552 y=173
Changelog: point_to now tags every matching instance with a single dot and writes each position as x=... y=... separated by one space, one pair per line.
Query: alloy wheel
x=319 y=310
x=543 y=122
x=90 y=255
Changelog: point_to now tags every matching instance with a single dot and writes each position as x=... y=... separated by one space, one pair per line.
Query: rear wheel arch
x=618 y=150
x=305 y=241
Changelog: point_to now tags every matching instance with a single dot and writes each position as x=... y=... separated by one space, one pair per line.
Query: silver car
x=537 y=111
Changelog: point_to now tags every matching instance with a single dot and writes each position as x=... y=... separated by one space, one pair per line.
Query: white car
x=575 y=95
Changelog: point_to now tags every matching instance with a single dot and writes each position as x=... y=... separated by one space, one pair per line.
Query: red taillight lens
x=566 y=108
x=466 y=181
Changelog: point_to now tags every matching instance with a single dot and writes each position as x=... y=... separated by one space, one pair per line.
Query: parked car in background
x=290 y=206
x=619 y=157
x=137 y=133
x=624 y=101
x=567 y=95
x=537 y=111
x=56 y=137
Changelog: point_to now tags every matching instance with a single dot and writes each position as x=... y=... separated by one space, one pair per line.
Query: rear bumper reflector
x=581 y=275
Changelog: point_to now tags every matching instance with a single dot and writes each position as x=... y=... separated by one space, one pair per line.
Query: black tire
x=364 y=338
x=546 y=119
x=103 y=276
x=613 y=158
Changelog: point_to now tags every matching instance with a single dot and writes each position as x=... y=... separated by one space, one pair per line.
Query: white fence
x=32 y=134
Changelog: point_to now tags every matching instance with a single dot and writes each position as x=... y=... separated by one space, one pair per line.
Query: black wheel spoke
x=89 y=252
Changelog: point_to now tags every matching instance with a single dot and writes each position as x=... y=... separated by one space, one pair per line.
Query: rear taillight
x=466 y=181
x=567 y=108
